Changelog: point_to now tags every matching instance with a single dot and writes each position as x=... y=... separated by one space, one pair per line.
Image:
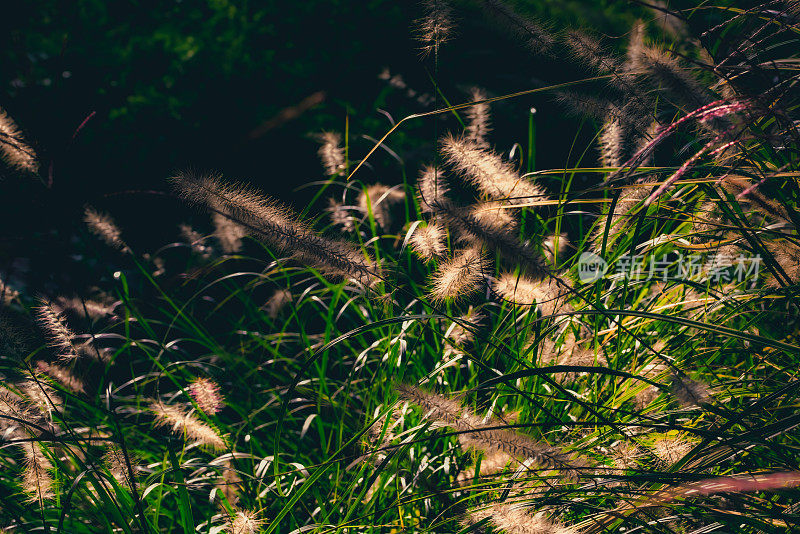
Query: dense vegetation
x=482 y=344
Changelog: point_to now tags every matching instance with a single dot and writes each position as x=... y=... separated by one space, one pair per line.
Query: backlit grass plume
x=185 y=424
x=13 y=147
x=485 y=170
x=279 y=226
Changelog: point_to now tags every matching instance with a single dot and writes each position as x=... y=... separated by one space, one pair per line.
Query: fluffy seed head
x=672 y=448
x=205 y=393
x=341 y=216
x=555 y=248
x=103 y=226
x=331 y=152
x=431 y=189
x=379 y=199
x=182 y=423
x=489 y=173
x=429 y=242
x=279 y=226
x=514 y=519
x=228 y=233
x=55 y=326
x=244 y=522
x=689 y=392
x=13 y=148
x=114 y=460
x=195 y=240
x=548 y=295
x=62 y=375
x=478 y=119
x=435 y=28
x=460 y=276
x=279 y=299
x=36 y=481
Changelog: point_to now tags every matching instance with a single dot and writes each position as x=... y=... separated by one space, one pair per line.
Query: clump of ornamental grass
x=14 y=149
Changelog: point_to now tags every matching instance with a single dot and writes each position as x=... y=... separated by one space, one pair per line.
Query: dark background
x=208 y=85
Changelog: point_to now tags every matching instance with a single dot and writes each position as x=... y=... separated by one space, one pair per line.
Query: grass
x=516 y=398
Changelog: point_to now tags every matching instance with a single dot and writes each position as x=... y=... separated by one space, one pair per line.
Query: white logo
x=591 y=267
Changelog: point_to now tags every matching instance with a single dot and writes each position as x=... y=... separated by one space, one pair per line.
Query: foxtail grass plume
x=62 y=375
x=244 y=522
x=183 y=423
x=55 y=326
x=103 y=226
x=548 y=295
x=555 y=248
x=435 y=28
x=206 y=394
x=490 y=437
x=670 y=448
x=340 y=216
x=7 y=293
x=277 y=301
x=515 y=519
x=379 y=199
x=279 y=226
x=87 y=308
x=487 y=171
x=230 y=483
x=526 y=31
x=37 y=482
x=195 y=240
x=459 y=276
x=13 y=147
x=116 y=463
x=689 y=392
x=228 y=233
x=432 y=189
x=429 y=242
x=331 y=152
x=478 y=119
x=491 y=464
x=40 y=396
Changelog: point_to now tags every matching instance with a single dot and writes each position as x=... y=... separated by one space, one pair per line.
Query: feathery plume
x=431 y=189
x=548 y=295
x=115 y=462
x=491 y=464
x=42 y=399
x=786 y=253
x=58 y=333
x=205 y=393
x=478 y=226
x=341 y=216
x=279 y=299
x=13 y=147
x=589 y=51
x=429 y=242
x=279 y=226
x=195 y=240
x=228 y=233
x=230 y=483
x=436 y=27
x=490 y=437
x=14 y=414
x=7 y=293
x=103 y=226
x=625 y=455
x=555 y=248
x=689 y=392
x=37 y=483
x=672 y=77
x=331 y=152
x=671 y=448
x=489 y=173
x=378 y=199
x=478 y=119
x=460 y=276
x=62 y=375
x=514 y=519
x=86 y=307
x=244 y=522
x=610 y=142
x=183 y=423
x=525 y=30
